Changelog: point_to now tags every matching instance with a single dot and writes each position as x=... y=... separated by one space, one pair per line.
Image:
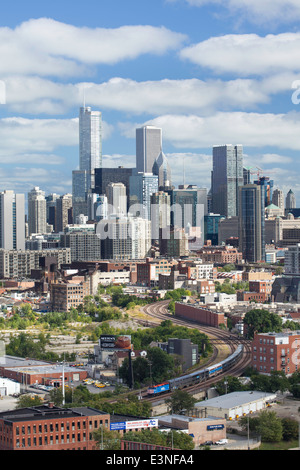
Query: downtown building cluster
x=132 y=225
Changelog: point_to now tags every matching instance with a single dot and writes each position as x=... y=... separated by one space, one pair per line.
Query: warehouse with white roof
x=234 y=405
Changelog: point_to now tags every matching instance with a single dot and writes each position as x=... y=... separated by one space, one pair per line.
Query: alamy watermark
x=116 y=224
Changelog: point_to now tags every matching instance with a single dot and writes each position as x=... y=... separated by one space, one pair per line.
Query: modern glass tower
x=227 y=177
x=251 y=223
x=90 y=139
x=90 y=157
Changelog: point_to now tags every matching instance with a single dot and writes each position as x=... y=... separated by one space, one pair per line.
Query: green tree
x=262 y=321
x=180 y=400
x=25 y=401
x=290 y=429
x=266 y=424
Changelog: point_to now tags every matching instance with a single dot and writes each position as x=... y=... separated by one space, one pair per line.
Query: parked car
x=207 y=443
x=221 y=442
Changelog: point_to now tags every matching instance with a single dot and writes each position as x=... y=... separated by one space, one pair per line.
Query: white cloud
x=258 y=11
x=50 y=48
x=40 y=95
x=247 y=54
x=249 y=129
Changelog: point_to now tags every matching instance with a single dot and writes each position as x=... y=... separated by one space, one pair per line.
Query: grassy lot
x=283 y=445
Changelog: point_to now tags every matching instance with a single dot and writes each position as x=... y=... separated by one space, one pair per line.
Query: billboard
x=129 y=425
x=113 y=342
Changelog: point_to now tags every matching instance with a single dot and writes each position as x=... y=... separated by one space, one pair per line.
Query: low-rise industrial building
x=201 y=429
x=8 y=387
x=234 y=405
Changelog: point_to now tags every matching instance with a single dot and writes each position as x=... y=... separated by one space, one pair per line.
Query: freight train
x=198 y=376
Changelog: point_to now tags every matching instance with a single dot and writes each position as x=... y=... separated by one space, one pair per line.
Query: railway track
x=160 y=312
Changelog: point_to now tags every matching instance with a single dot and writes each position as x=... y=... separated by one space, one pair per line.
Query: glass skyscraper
x=90 y=158
x=227 y=177
x=251 y=223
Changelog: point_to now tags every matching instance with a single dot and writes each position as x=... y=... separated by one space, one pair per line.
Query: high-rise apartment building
x=126 y=238
x=116 y=198
x=64 y=215
x=148 y=147
x=37 y=212
x=90 y=157
x=51 y=209
x=12 y=221
x=227 y=177
x=251 y=223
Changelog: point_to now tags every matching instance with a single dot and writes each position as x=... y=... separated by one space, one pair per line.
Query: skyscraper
x=148 y=147
x=227 y=177
x=117 y=199
x=12 y=221
x=290 y=201
x=37 y=212
x=63 y=212
x=278 y=199
x=90 y=158
x=162 y=169
x=251 y=223
x=142 y=186
x=90 y=139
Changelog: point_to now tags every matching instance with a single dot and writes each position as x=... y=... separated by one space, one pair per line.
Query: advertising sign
x=213 y=427
x=121 y=426
x=144 y=423
x=113 y=342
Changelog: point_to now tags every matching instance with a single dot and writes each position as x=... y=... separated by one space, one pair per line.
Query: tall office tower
x=211 y=227
x=251 y=223
x=12 y=221
x=116 y=198
x=90 y=158
x=148 y=147
x=160 y=214
x=192 y=206
x=142 y=185
x=162 y=169
x=267 y=189
x=51 y=209
x=278 y=199
x=90 y=139
x=247 y=176
x=64 y=213
x=37 y=213
x=227 y=177
x=290 y=201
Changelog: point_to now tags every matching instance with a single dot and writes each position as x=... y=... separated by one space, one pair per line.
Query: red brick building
x=276 y=352
x=200 y=314
x=48 y=427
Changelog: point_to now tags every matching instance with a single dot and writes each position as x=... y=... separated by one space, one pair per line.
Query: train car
x=158 y=389
x=198 y=376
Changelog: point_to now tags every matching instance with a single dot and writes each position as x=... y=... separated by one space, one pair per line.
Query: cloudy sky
x=208 y=72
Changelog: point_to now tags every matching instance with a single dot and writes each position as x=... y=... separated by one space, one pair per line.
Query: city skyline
x=179 y=66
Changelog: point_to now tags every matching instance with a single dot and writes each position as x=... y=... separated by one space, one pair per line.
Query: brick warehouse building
x=276 y=352
x=42 y=373
x=199 y=314
x=47 y=427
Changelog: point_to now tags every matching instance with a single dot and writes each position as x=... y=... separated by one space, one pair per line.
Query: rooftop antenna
x=183 y=170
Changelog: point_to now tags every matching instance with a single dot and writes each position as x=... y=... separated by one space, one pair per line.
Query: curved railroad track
x=160 y=312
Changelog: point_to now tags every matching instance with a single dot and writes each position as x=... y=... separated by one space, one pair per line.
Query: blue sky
x=209 y=72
